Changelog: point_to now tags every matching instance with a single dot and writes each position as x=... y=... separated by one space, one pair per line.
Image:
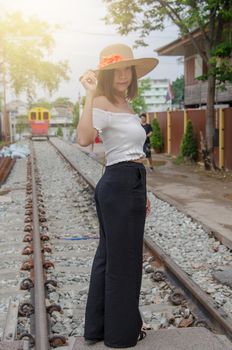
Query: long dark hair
x=105 y=85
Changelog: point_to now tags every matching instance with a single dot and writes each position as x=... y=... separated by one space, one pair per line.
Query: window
x=33 y=115
x=45 y=115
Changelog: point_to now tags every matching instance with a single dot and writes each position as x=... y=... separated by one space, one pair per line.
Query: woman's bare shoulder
x=101 y=102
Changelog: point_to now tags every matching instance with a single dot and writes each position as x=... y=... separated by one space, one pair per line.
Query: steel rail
x=223 y=319
x=219 y=315
x=41 y=323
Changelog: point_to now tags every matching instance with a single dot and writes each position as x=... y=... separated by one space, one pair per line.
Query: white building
x=155 y=98
x=61 y=117
x=15 y=109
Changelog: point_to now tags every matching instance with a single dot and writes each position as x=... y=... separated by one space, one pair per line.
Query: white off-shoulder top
x=122 y=135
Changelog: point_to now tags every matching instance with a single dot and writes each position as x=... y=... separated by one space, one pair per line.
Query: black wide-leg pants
x=112 y=311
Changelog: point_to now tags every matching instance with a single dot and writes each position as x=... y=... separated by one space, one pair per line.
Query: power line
x=112 y=34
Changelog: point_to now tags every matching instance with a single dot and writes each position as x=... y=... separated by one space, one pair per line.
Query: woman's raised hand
x=89 y=81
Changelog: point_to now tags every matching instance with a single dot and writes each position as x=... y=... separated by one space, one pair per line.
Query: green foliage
x=62 y=102
x=41 y=103
x=21 y=124
x=189 y=143
x=178 y=90
x=211 y=16
x=138 y=103
x=76 y=116
x=179 y=160
x=219 y=64
x=156 y=138
x=59 y=132
x=25 y=44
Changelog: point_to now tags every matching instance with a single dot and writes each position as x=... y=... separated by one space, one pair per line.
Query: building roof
x=180 y=46
x=61 y=112
x=14 y=105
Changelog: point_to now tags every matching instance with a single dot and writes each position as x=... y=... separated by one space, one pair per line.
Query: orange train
x=39 y=120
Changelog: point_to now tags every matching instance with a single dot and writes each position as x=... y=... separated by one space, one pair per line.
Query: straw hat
x=121 y=56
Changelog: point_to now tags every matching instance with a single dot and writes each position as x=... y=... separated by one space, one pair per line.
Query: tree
x=212 y=18
x=76 y=116
x=25 y=45
x=21 y=124
x=138 y=103
x=157 y=140
x=62 y=102
x=59 y=131
x=178 y=91
x=189 y=143
x=41 y=103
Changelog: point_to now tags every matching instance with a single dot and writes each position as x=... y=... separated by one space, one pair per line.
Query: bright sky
x=84 y=35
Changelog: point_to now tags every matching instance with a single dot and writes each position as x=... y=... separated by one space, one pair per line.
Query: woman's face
x=122 y=79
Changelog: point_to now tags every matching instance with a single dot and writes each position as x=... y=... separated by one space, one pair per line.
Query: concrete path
x=170 y=339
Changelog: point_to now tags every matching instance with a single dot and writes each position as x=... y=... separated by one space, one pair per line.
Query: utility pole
x=6 y=124
x=1 y=111
x=4 y=116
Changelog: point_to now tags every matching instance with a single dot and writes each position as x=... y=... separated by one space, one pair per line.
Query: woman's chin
x=120 y=89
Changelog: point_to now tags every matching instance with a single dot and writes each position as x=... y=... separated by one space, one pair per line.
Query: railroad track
x=185 y=290
x=195 y=305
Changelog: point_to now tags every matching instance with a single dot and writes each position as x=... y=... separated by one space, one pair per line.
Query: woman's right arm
x=86 y=134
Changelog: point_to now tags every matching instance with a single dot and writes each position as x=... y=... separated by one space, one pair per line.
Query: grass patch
x=179 y=160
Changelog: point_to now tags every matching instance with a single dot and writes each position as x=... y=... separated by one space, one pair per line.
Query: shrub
x=189 y=143
x=59 y=132
x=157 y=141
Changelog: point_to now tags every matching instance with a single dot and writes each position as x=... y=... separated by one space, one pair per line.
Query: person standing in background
x=147 y=145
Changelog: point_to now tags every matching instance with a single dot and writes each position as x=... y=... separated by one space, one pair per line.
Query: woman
x=112 y=311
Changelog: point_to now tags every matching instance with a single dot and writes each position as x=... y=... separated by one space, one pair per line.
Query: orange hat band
x=106 y=60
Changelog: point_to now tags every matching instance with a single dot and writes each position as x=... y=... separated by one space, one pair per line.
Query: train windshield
x=45 y=115
x=33 y=115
